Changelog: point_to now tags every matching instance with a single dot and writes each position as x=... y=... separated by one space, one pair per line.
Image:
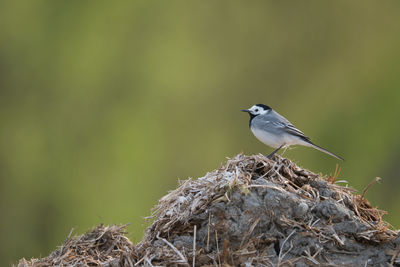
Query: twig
x=148 y=262
x=251 y=229
x=312 y=257
x=112 y=246
x=267 y=186
x=128 y=261
x=69 y=235
x=376 y=179
x=194 y=245
x=314 y=223
x=225 y=251
x=142 y=259
x=283 y=244
x=208 y=232
x=344 y=252
x=337 y=238
x=290 y=248
x=66 y=239
x=184 y=261
x=332 y=179
x=216 y=240
x=394 y=257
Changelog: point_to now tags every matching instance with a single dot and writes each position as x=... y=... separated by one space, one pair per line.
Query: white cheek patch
x=260 y=111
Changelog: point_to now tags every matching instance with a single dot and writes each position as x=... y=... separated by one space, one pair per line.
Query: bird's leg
x=284 y=150
x=273 y=152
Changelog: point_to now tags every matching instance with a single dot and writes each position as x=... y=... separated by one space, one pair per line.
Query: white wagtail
x=276 y=131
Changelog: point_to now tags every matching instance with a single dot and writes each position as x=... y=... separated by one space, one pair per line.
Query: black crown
x=265 y=107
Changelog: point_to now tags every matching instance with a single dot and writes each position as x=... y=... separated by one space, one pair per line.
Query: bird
x=276 y=131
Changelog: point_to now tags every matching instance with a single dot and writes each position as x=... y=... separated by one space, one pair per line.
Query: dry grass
x=185 y=213
x=194 y=196
x=100 y=246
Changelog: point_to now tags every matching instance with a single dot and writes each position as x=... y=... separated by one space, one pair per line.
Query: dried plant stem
x=194 y=244
x=280 y=256
x=376 y=179
x=183 y=259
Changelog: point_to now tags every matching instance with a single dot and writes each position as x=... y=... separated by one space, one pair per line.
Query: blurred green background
x=104 y=105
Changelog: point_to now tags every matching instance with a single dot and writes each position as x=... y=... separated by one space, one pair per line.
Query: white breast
x=267 y=138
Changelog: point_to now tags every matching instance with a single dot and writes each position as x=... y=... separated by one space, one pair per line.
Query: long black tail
x=324 y=150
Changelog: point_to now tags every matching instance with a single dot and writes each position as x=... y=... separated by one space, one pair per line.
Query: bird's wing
x=285 y=125
x=293 y=130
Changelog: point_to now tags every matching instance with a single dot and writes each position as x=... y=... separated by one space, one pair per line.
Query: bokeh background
x=104 y=105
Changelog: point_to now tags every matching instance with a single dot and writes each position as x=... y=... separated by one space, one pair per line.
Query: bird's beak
x=245 y=110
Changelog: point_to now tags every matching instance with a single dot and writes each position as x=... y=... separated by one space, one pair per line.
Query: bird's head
x=256 y=110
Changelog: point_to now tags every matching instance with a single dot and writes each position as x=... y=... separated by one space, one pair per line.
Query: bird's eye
x=256 y=110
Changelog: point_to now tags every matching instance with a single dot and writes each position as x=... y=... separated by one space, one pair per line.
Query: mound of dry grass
x=102 y=246
x=250 y=212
